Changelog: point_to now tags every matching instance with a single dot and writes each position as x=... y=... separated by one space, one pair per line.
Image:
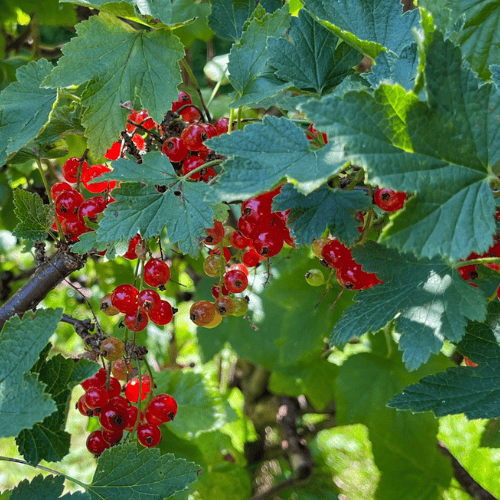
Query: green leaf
x=35 y=217
x=228 y=17
x=48 y=440
x=82 y=370
x=393 y=69
x=490 y=437
x=417 y=147
x=474 y=391
x=121 y=64
x=324 y=208
x=181 y=208
x=266 y=153
x=310 y=57
x=277 y=336
x=23 y=401
x=89 y=241
x=430 y=300
x=24 y=107
x=367 y=26
x=198 y=411
x=123 y=472
x=44 y=488
x=47 y=13
x=62 y=121
x=478 y=37
x=404 y=445
x=249 y=72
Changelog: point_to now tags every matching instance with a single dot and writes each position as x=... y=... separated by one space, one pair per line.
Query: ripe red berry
x=58 y=188
x=175 y=149
x=156 y=272
x=162 y=408
x=250 y=258
x=336 y=254
x=353 y=277
x=222 y=125
x=389 y=200
x=239 y=241
x=114 y=388
x=96 y=443
x=191 y=163
x=147 y=299
x=312 y=129
x=68 y=203
x=268 y=243
x=148 y=435
x=92 y=173
x=113 y=153
x=137 y=322
x=97 y=380
x=183 y=99
x=112 y=437
x=124 y=298
x=190 y=114
x=235 y=281
x=96 y=397
x=91 y=208
x=113 y=417
x=215 y=234
x=134 y=386
x=194 y=136
x=132 y=414
x=73 y=227
x=131 y=252
x=83 y=408
x=70 y=169
x=162 y=313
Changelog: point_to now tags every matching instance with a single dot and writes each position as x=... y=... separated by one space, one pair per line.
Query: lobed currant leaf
x=474 y=391
x=24 y=107
x=413 y=146
x=119 y=63
x=44 y=488
x=324 y=208
x=228 y=17
x=369 y=27
x=311 y=57
x=429 y=300
x=25 y=401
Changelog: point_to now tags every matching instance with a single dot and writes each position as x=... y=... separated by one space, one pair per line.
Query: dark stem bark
x=474 y=489
x=47 y=276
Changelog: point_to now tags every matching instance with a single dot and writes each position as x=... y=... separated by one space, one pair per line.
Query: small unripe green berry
x=315 y=277
x=240 y=306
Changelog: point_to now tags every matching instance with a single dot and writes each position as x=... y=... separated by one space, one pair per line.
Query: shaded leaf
x=228 y=17
x=324 y=208
x=44 y=488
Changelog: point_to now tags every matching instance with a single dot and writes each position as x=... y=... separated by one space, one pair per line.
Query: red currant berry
x=215 y=234
x=147 y=299
x=148 y=435
x=225 y=251
x=112 y=437
x=353 y=277
x=96 y=397
x=113 y=153
x=70 y=169
x=175 y=149
x=92 y=173
x=91 y=208
x=239 y=241
x=194 y=136
x=83 y=408
x=191 y=163
x=224 y=305
x=113 y=417
x=190 y=114
x=68 y=203
x=222 y=125
x=97 y=380
x=163 y=408
x=132 y=414
x=315 y=133
x=202 y=312
x=133 y=387
x=131 y=253
x=389 y=200
x=240 y=267
x=139 y=142
x=250 y=258
x=96 y=443
x=137 y=322
x=58 y=188
x=336 y=254
x=114 y=388
x=162 y=314
x=121 y=370
x=124 y=298
x=73 y=227
x=235 y=281
x=156 y=272
x=183 y=99
x=216 y=290
x=268 y=243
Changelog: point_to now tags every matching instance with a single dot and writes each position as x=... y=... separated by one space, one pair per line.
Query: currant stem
x=201 y=167
x=238 y=123
x=231 y=119
x=216 y=88
x=79 y=171
x=359 y=176
x=51 y=201
x=154 y=135
x=485 y=260
x=197 y=87
x=46 y=469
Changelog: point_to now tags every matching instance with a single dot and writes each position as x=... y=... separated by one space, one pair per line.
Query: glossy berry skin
x=225 y=251
x=83 y=408
x=240 y=306
x=68 y=203
x=131 y=253
x=133 y=387
x=156 y=272
x=190 y=164
x=92 y=173
x=239 y=241
x=97 y=380
x=250 y=258
x=162 y=408
x=137 y=321
x=268 y=243
x=113 y=417
x=214 y=264
x=235 y=281
x=202 y=312
x=112 y=437
x=112 y=348
x=148 y=435
x=96 y=397
x=147 y=299
x=96 y=443
x=194 y=136
x=389 y=200
x=225 y=305
x=216 y=290
x=190 y=114
x=73 y=227
x=91 y=208
x=70 y=169
x=58 y=188
x=114 y=388
x=124 y=298
x=336 y=254
x=215 y=234
x=353 y=277
x=132 y=413
x=175 y=149
x=113 y=153
x=315 y=277
x=222 y=125
x=240 y=267
x=162 y=314
x=183 y=99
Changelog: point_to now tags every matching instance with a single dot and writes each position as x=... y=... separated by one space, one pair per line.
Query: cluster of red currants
x=141 y=306
x=469 y=273
x=388 y=199
x=71 y=208
x=348 y=272
x=117 y=414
